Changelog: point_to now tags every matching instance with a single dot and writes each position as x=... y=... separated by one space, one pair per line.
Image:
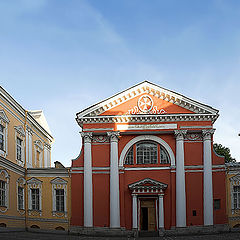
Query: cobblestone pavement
x=43 y=236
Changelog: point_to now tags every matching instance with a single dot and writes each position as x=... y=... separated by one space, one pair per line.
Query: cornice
x=11 y=166
x=151 y=89
x=147 y=118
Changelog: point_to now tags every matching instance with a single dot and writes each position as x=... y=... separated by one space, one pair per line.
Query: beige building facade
x=32 y=193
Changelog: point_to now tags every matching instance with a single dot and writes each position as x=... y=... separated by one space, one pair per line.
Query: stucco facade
x=147 y=163
x=27 y=181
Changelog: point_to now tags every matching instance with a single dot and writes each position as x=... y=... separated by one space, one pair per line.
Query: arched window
x=147 y=152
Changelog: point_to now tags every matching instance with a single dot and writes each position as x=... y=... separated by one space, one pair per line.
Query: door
x=148 y=215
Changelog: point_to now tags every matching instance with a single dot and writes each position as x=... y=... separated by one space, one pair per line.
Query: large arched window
x=147 y=152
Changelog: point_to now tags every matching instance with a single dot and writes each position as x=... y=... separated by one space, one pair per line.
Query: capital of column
x=160 y=195
x=180 y=134
x=87 y=136
x=114 y=136
x=207 y=134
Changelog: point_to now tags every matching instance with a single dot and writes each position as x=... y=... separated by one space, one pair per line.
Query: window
x=1 y=137
x=164 y=158
x=146 y=153
x=35 y=199
x=2 y=193
x=20 y=198
x=19 y=149
x=217 y=204
x=236 y=197
x=59 y=197
x=194 y=213
x=59 y=200
x=129 y=157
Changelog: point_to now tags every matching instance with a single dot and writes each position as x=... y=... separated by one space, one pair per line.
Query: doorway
x=148 y=215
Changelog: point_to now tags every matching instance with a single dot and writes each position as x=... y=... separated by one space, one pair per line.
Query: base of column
x=102 y=231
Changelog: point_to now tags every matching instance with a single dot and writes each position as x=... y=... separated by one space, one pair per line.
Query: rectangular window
x=59 y=200
x=236 y=197
x=1 y=137
x=35 y=199
x=217 y=204
x=20 y=198
x=2 y=193
x=19 y=149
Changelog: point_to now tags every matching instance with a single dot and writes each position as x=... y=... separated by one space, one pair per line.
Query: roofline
x=15 y=105
x=187 y=98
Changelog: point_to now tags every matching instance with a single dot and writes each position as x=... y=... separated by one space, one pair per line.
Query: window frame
x=160 y=152
x=21 y=182
x=4 y=177
x=2 y=193
x=59 y=184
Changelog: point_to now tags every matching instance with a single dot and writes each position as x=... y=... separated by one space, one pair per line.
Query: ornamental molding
x=148 y=89
x=207 y=134
x=148 y=118
x=34 y=181
x=58 y=180
x=87 y=136
x=20 y=130
x=100 y=139
x=38 y=144
x=180 y=134
x=3 y=117
x=235 y=180
x=147 y=183
x=113 y=136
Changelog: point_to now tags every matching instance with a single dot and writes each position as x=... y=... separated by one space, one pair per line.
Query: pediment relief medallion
x=193 y=137
x=100 y=139
x=145 y=105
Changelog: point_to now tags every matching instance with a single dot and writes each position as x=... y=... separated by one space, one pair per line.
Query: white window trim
x=21 y=183
x=34 y=183
x=4 y=121
x=234 y=181
x=38 y=146
x=59 y=183
x=47 y=153
x=4 y=176
x=19 y=133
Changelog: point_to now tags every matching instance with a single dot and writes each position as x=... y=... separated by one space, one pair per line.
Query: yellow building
x=233 y=194
x=32 y=194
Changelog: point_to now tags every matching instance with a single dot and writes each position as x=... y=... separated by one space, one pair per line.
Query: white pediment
x=34 y=180
x=58 y=180
x=20 y=130
x=147 y=183
x=3 y=116
x=150 y=89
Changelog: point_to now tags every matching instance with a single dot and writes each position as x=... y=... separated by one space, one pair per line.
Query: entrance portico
x=147 y=204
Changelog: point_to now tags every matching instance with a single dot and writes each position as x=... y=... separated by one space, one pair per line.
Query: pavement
x=46 y=236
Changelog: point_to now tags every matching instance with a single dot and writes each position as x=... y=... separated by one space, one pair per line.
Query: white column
x=88 y=198
x=27 y=143
x=180 y=179
x=45 y=155
x=134 y=211
x=207 y=177
x=160 y=212
x=114 y=181
x=30 y=147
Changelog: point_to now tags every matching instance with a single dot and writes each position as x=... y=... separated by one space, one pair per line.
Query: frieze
x=193 y=137
x=100 y=139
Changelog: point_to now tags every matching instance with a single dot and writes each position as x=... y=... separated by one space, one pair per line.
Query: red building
x=147 y=163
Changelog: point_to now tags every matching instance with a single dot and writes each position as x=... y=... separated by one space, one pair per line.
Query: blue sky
x=64 y=55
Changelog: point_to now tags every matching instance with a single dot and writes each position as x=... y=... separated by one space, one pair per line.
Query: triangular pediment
x=3 y=116
x=34 y=180
x=165 y=97
x=147 y=183
x=58 y=180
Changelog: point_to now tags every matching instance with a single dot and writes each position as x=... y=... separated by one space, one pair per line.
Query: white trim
x=150 y=89
x=97 y=129
x=147 y=168
x=6 y=179
x=146 y=137
x=146 y=126
x=21 y=183
x=196 y=127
